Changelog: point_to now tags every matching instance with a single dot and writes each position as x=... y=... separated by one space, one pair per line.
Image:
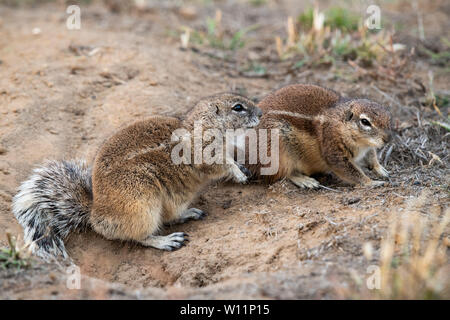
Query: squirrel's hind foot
x=169 y=243
x=305 y=182
x=189 y=214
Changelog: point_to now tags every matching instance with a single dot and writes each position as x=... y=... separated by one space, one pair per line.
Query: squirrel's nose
x=258 y=112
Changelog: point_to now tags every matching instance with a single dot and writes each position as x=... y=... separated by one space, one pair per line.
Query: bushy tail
x=54 y=201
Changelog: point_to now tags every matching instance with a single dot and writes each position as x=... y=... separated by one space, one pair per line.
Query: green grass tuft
x=342 y=19
x=336 y=18
x=306 y=18
x=14 y=257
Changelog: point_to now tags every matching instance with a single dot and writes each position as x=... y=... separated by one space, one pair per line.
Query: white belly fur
x=362 y=153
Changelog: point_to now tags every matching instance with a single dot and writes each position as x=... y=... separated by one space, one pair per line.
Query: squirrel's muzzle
x=387 y=137
x=258 y=112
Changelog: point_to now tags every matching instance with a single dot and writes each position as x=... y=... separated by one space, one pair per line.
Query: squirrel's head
x=227 y=111
x=369 y=123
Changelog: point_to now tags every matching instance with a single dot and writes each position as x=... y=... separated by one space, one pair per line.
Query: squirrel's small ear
x=217 y=109
x=348 y=115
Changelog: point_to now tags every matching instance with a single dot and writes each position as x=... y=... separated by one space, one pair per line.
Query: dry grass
x=413 y=255
x=14 y=256
x=414 y=261
x=321 y=37
x=214 y=35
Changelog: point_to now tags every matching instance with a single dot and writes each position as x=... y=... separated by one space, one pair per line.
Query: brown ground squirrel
x=322 y=132
x=135 y=187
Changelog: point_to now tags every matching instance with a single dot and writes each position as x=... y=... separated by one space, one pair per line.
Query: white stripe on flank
x=296 y=115
x=143 y=151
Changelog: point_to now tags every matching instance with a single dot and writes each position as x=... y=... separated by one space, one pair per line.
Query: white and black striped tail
x=54 y=201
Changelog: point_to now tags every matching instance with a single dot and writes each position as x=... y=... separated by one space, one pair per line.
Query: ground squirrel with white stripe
x=320 y=131
x=134 y=186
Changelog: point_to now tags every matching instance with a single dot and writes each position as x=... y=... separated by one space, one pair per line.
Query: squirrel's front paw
x=381 y=171
x=244 y=170
x=238 y=172
x=374 y=183
x=239 y=176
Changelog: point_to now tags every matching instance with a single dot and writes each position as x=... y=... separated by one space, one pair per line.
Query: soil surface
x=62 y=92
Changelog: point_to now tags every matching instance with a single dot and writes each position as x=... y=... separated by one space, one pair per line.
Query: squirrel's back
x=305 y=99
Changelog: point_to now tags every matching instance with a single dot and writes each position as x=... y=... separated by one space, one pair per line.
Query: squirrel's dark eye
x=365 y=122
x=238 y=107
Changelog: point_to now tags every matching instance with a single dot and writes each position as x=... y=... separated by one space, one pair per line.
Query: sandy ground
x=63 y=92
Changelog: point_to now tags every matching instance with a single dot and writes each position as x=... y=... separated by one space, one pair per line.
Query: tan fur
x=137 y=187
x=322 y=132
